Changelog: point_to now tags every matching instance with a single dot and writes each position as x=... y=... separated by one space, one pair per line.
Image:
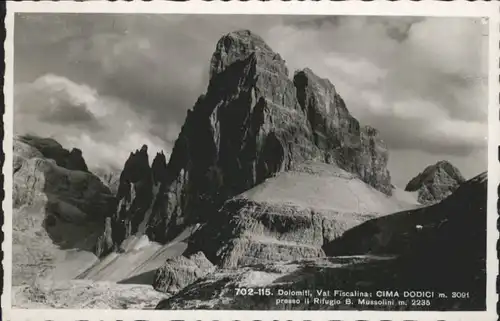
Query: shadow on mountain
x=76 y=205
x=143 y=278
x=440 y=247
x=53 y=188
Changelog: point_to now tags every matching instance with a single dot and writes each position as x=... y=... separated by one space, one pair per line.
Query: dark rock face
x=338 y=135
x=134 y=193
x=436 y=182
x=75 y=161
x=181 y=271
x=433 y=240
x=253 y=122
x=465 y=210
x=136 y=197
x=53 y=150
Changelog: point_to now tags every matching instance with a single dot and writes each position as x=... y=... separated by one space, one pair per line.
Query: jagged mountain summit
x=436 y=182
x=252 y=122
x=138 y=187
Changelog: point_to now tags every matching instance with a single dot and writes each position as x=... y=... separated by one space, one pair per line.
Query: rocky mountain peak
x=133 y=198
x=338 y=135
x=75 y=160
x=159 y=168
x=240 y=45
x=252 y=123
x=136 y=166
x=436 y=182
x=306 y=75
x=51 y=149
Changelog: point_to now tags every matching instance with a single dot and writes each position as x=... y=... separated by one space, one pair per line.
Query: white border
x=406 y=8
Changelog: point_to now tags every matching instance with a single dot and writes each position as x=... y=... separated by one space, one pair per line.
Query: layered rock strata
x=453 y=234
x=57 y=214
x=291 y=216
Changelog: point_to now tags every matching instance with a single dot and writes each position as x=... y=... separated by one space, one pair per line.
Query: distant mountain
x=109 y=176
x=436 y=182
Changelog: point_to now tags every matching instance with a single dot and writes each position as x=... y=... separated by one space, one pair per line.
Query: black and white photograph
x=250 y=162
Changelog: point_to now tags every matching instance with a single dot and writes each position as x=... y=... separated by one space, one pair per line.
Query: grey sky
x=109 y=83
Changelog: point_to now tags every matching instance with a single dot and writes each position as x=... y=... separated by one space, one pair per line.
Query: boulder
x=181 y=271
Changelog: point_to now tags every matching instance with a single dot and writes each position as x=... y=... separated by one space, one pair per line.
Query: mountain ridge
x=253 y=122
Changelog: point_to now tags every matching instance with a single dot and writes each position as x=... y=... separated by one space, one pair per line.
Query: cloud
x=450 y=45
x=57 y=100
x=372 y=74
x=106 y=129
x=420 y=84
x=427 y=126
x=420 y=81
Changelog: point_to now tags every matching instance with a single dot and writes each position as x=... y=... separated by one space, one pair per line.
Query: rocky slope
x=436 y=182
x=252 y=122
x=291 y=216
x=51 y=149
x=85 y=294
x=450 y=249
x=455 y=227
x=58 y=210
x=138 y=260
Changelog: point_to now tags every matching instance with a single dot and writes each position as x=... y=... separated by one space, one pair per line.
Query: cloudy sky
x=109 y=83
